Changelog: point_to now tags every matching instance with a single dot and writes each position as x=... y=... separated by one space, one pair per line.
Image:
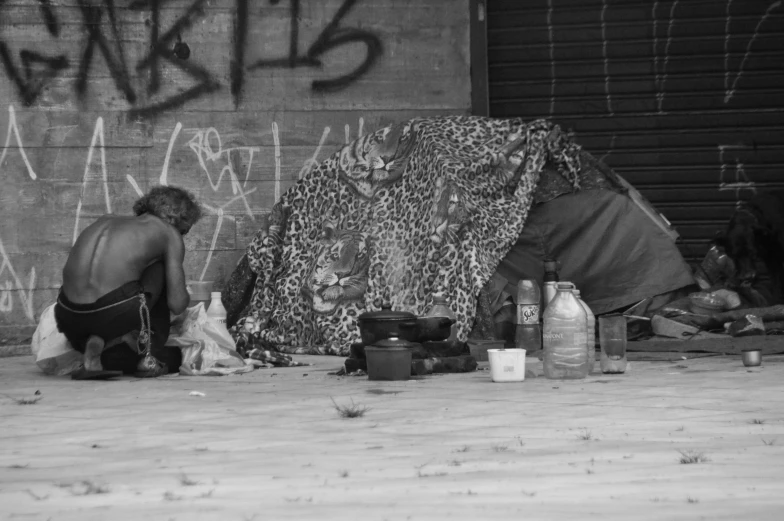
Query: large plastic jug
x=564 y=338
x=590 y=330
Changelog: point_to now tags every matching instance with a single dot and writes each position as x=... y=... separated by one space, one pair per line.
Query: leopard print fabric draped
x=430 y=205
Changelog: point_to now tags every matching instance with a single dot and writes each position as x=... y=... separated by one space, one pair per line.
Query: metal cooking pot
x=431 y=329
x=383 y=324
x=379 y=325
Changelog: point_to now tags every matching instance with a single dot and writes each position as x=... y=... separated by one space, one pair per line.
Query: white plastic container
x=507 y=365
x=590 y=330
x=564 y=336
x=216 y=310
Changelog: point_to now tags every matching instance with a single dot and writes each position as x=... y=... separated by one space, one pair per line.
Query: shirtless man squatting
x=123 y=279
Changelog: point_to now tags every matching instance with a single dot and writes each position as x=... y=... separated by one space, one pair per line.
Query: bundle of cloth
x=428 y=206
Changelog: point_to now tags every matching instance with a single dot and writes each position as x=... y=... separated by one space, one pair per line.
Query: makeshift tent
x=436 y=205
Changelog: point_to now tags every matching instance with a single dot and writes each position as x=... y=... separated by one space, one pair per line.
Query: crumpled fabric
x=427 y=206
x=207 y=347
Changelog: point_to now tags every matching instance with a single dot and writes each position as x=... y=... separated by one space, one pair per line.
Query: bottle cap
x=439 y=298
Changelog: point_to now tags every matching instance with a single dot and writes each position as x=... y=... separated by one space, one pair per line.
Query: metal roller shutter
x=684 y=99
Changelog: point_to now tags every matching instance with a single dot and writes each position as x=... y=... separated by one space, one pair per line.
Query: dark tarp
x=612 y=250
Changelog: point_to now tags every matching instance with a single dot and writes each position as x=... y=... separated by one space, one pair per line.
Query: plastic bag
x=52 y=351
x=207 y=347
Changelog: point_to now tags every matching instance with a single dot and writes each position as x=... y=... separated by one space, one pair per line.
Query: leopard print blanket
x=427 y=206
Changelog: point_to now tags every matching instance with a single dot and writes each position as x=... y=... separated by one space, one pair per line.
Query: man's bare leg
x=92 y=353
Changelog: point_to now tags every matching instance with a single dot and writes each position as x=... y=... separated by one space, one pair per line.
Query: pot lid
x=386 y=313
x=393 y=342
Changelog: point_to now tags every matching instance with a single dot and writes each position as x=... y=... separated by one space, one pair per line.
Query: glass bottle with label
x=528 y=330
x=564 y=337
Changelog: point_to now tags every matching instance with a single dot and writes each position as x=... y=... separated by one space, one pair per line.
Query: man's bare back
x=115 y=278
x=116 y=249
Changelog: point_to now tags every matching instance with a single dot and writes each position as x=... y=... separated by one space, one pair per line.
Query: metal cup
x=752 y=358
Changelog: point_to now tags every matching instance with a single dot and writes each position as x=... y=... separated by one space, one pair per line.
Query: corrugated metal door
x=685 y=99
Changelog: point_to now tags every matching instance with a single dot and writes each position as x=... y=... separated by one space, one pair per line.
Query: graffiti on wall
x=228 y=168
x=104 y=38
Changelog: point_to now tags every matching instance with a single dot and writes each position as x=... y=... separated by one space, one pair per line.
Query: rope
x=145 y=334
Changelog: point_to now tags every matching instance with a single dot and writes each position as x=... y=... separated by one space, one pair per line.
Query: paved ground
x=270 y=445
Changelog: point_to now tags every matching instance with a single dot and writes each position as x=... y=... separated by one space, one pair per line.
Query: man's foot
x=92 y=353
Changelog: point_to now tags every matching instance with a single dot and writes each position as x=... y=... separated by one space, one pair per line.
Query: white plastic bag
x=207 y=347
x=52 y=351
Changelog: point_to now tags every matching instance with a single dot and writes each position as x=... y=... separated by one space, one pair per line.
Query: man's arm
x=176 y=293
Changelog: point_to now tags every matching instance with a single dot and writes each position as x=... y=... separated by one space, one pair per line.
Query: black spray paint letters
x=331 y=37
x=103 y=40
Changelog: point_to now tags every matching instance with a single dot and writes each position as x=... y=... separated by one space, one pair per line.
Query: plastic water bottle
x=550 y=282
x=216 y=310
x=564 y=338
x=441 y=308
x=528 y=331
x=590 y=332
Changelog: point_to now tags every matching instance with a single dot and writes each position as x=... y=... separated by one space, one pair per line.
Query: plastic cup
x=612 y=339
x=200 y=291
x=507 y=365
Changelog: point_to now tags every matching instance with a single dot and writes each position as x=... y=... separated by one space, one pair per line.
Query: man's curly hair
x=172 y=204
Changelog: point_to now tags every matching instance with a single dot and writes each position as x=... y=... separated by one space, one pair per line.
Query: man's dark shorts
x=110 y=317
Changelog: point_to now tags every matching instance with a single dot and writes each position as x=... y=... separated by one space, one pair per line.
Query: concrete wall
x=232 y=99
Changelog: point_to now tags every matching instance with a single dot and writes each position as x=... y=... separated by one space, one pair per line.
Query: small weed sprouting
x=528 y=494
x=755 y=421
x=680 y=429
x=469 y=492
x=84 y=488
x=690 y=499
x=464 y=448
x=208 y=494
x=298 y=499
x=692 y=456
x=350 y=411
x=421 y=474
x=343 y=474
x=36 y=496
x=185 y=481
x=589 y=471
x=454 y=463
x=500 y=448
x=585 y=435
x=769 y=442
x=171 y=496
